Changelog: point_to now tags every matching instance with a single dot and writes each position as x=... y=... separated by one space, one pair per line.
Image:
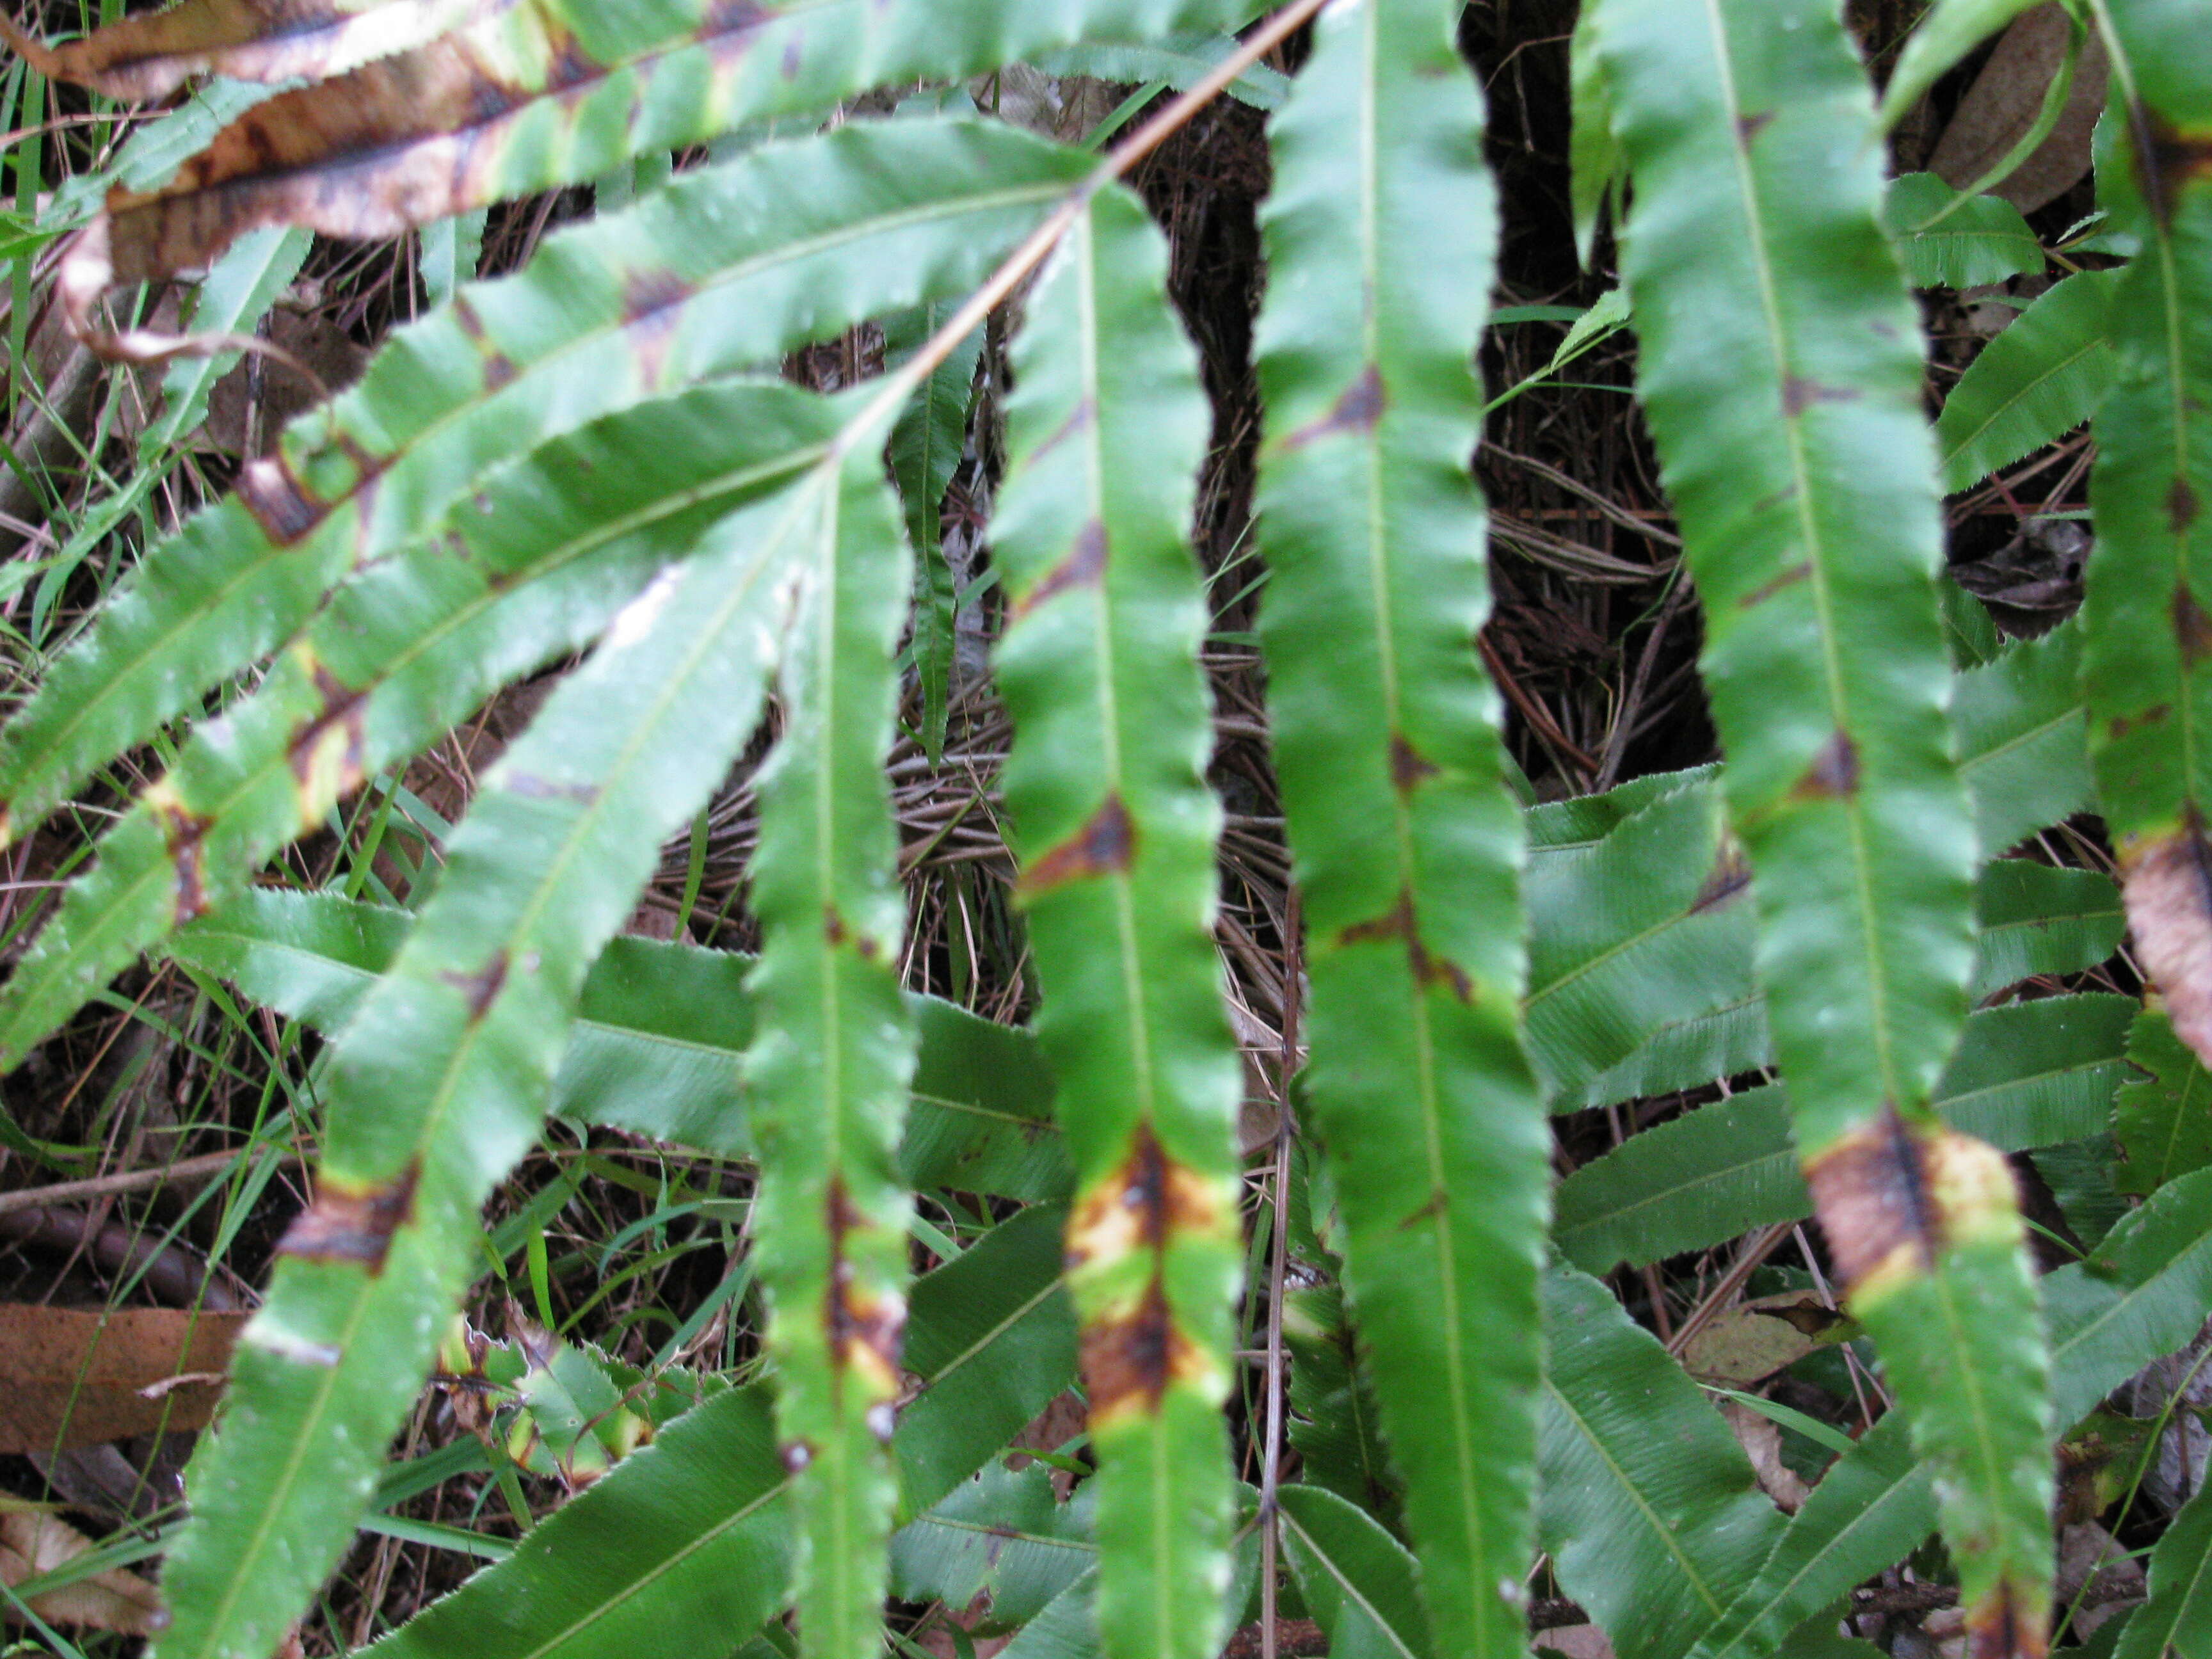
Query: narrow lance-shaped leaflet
x=1115 y=833
x=1781 y=374
x=2146 y=610
x=1409 y=847
x=438 y=1084
x=829 y=1069
x=617 y=312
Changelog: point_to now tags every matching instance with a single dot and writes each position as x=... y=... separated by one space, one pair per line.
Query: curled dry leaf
x=72 y=1377
x=34 y=1542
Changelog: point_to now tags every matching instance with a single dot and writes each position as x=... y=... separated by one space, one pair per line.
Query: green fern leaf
x=830 y=1066
x=402 y=654
x=1407 y=848
x=439 y=1083
x=681 y=1545
x=1649 y=1505
x=2043 y=375
x=725 y=269
x=1780 y=373
x=2027 y=1075
x=1358 y=1582
x=1115 y=836
x=2143 y=1296
x=2178 y=1618
x=2146 y=633
x=660 y=1031
x=1983 y=240
x=2162 y=1118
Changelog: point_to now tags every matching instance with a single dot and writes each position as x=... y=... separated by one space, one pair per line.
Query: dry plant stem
x=124 y=1181
x=1756 y=1248
x=901 y=384
x=1278 y=1272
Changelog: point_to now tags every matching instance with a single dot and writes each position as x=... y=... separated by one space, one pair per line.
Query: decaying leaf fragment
x=152 y=55
x=34 y=1542
x=76 y=1378
x=2167 y=881
x=403 y=137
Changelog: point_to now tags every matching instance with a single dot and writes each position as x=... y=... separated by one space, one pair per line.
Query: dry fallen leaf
x=1751 y=1341
x=34 y=1542
x=70 y=1377
x=2006 y=98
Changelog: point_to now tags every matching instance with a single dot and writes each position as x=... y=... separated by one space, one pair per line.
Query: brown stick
x=124 y=1181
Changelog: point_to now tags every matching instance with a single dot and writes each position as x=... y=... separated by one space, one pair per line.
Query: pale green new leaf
x=680 y=1544
x=438 y=1084
x=1647 y=1503
x=1116 y=832
x=1406 y=843
x=1780 y=373
x=2044 y=374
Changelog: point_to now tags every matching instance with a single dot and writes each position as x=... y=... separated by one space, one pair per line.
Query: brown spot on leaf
x=481 y=988
x=149 y=57
x=2192 y=628
x=1104 y=847
x=2120 y=725
x=272 y=494
x=1146 y=1200
x=352 y=1224
x=2168 y=159
x=1078 y=420
x=1730 y=876
x=2007 y=1623
x=1439 y=1202
x=1834 y=772
x=1773 y=585
x=1800 y=394
x=1892 y=1196
x=1748 y=127
x=1357 y=409
x=1408 y=767
x=1872 y=1191
x=1399 y=922
x=1084 y=564
x=1130 y=1361
x=499 y=370
x=2167 y=882
x=326 y=755
x=865 y=1330
x=2182 y=505
x=184 y=832
x=407 y=139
